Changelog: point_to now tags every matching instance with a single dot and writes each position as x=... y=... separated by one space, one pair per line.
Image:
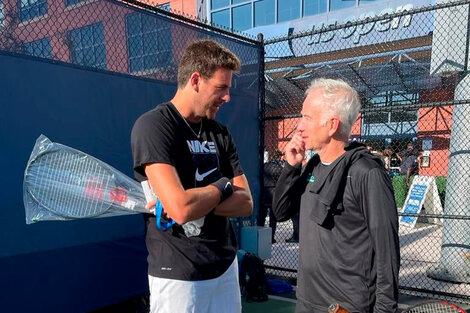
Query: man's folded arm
x=181 y=205
x=240 y=203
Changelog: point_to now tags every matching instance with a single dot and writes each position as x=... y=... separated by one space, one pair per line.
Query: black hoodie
x=349 y=248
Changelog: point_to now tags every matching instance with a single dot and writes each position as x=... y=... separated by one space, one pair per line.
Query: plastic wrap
x=61 y=183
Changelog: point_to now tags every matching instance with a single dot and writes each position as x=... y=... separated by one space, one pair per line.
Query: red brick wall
x=436 y=123
x=60 y=19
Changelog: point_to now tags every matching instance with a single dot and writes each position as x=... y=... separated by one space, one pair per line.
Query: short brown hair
x=205 y=56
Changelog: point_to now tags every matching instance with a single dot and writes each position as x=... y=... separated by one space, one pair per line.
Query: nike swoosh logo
x=200 y=177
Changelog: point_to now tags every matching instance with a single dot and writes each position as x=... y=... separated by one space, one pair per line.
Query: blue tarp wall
x=78 y=266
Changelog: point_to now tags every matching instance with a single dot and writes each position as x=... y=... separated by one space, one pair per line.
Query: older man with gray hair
x=349 y=248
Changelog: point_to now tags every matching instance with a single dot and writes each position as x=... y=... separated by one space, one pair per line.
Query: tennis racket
x=61 y=183
x=435 y=307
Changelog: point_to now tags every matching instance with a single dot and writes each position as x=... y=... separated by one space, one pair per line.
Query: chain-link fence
x=410 y=68
x=121 y=36
x=83 y=71
x=128 y=37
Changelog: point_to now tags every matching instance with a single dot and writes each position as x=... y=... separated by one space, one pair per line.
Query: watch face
x=332 y=308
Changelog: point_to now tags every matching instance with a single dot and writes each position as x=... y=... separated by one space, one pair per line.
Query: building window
x=87 y=46
x=228 y=13
x=38 y=48
x=386 y=101
x=217 y=4
x=149 y=42
x=376 y=117
x=30 y=9
x=165 y=6
x=2 y=13
x=264 y=12
x=221 y=18
x=405 y=115
x=288 y=10
x=241 y=17
x=341 y=4
x=312 y=7
x=362 y=2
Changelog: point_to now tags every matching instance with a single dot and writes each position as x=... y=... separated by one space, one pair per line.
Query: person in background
x=349 y=248
x=411 y=165
x=387 y=158
x=192 y=164
x=402 y=155
x=272 y=169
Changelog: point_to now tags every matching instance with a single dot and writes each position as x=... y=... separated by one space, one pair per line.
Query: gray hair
x=343 y=102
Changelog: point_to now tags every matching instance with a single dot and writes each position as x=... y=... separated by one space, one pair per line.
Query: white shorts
x=218 y=295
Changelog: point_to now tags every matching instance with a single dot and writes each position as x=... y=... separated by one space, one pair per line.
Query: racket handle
x=336 y=308
x=162 y=223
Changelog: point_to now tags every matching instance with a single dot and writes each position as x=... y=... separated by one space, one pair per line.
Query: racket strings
x=70 y=184
x=61 y=197
x=434 y=307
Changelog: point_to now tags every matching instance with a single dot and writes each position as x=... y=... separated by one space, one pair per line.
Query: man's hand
x=408 y=175
x=151 y=207
x=295 y=150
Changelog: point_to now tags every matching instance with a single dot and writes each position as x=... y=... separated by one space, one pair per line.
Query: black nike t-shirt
x=162 y=136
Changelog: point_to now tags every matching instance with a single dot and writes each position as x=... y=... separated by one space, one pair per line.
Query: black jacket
x=349 y=248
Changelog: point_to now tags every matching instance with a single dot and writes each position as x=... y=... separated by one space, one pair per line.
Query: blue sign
x=414 y=203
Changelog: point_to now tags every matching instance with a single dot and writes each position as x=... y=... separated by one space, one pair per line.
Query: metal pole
x=454 y=265
x=261 y=106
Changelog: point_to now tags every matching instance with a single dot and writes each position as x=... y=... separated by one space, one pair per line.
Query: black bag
x=253 y=281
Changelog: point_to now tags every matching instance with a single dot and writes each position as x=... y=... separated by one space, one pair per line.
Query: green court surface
x=273 y=305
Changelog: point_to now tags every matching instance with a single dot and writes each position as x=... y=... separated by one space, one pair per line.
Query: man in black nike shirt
x=349 y=249
x=193 y=166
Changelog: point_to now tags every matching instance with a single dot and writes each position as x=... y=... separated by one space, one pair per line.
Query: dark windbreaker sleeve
x=286 y=200
x=382 y=218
